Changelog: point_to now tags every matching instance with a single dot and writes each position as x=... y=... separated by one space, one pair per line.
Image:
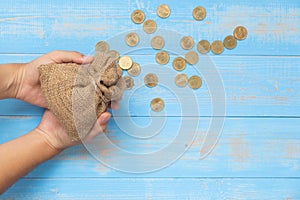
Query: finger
x=115 y=105
x=99 y=126
x=69 y=56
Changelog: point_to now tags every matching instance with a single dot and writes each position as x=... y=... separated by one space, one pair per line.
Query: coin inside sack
x=187 y=42
x=149 y=26
x=217 y=47
x=162 y=57
x=157 y=42
x=181 y=80
x=125 y=62
x=132 y=39
x=129 y=82
x=102 y=46
x=138 y=16
x=157 y=104
x=199 y=13
x=240 y=33
x=191 y=57
x=195 y=82
x=179 y=64
x=151 y=80
x=114 y=54
x=135 y=69
x=163 y=11
x=203 y=46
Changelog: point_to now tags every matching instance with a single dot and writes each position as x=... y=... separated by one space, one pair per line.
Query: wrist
x=11 y=76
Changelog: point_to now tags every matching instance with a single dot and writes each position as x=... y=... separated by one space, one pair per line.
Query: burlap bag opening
x=79 y=94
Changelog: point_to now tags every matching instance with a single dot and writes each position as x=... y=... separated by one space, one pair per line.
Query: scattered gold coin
x=138 y=16
x=181 y=80
x=199 y=13
x=125 y=62
x=195 y=82
x=217 y=47
x=149 y=26
x=240 y=33
x=191 y=57
x=203 y=46
x=151 y=80
x=187 y=42
x=157 y=42
x=135 y=69
x=114 y=54
x=129 y=82
x=132 y=39
x=157 y=104
x=162 y=57
x=163 y=11
x=179 y=64
x=102 y=46
x=229 y=42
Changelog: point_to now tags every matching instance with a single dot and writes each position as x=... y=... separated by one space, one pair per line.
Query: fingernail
x=86 y=58
x=104 y=119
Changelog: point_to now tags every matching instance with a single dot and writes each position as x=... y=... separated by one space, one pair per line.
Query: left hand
x=28 y=76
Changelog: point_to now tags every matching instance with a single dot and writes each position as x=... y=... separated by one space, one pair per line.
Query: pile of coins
x=162 y=57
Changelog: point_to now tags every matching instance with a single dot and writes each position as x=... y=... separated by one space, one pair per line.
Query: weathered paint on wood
x=155 y=188
x=248 y=147
x=258 y=154
x=254 y=86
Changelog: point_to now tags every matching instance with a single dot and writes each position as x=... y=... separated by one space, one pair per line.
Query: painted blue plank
x=254 y=86
x=247 y=147
x=154 y=188
x=42 y=26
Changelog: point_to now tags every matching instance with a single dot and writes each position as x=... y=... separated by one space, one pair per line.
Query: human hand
x=56 y=135
x=28 y=76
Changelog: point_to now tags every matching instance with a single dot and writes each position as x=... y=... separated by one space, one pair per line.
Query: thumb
x=99 y=126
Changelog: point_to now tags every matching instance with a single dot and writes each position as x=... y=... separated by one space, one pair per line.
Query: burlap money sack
x=78 y=94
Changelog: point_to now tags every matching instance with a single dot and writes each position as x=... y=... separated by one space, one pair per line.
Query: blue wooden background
x=258 y=154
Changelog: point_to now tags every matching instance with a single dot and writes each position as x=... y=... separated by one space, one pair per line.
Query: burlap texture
x=79 y=94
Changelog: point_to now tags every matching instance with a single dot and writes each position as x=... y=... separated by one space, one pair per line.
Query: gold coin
x=102 y=46
x=181 y=80
x=151 y=80
x=229 y=42
x=114 y=54
x=203 y=46
x=217 y=47
x=157 y=104
x=162 y=57
x=187 y=42
x=191 y=57
x=129 y=82
x=240 y=33
x=195 y=82
x=179 y=64
x=157 y=42
x=135 y=69
x=125 y=62
x=138 y=16
x=199 y=13
x=149 y=26
x=163 y=11
x=132 y=39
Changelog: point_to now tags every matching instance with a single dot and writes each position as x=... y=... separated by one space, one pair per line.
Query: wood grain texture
x=41 y=26
x=258 y=152
x=154 y=188
x=251 y=147
x=254 y=86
